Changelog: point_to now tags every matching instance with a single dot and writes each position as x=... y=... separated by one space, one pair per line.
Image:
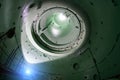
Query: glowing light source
x=62 y=17
x=55 y=31
x=28 y=71
x=59 y=24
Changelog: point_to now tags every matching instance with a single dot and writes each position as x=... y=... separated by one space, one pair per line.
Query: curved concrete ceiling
x=99 y=61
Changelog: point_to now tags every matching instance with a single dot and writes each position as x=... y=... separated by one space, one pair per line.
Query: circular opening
x=56 y=29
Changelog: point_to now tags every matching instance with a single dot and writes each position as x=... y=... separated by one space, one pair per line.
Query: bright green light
x=59 y=24
x=62 y=17
x=56 y=31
